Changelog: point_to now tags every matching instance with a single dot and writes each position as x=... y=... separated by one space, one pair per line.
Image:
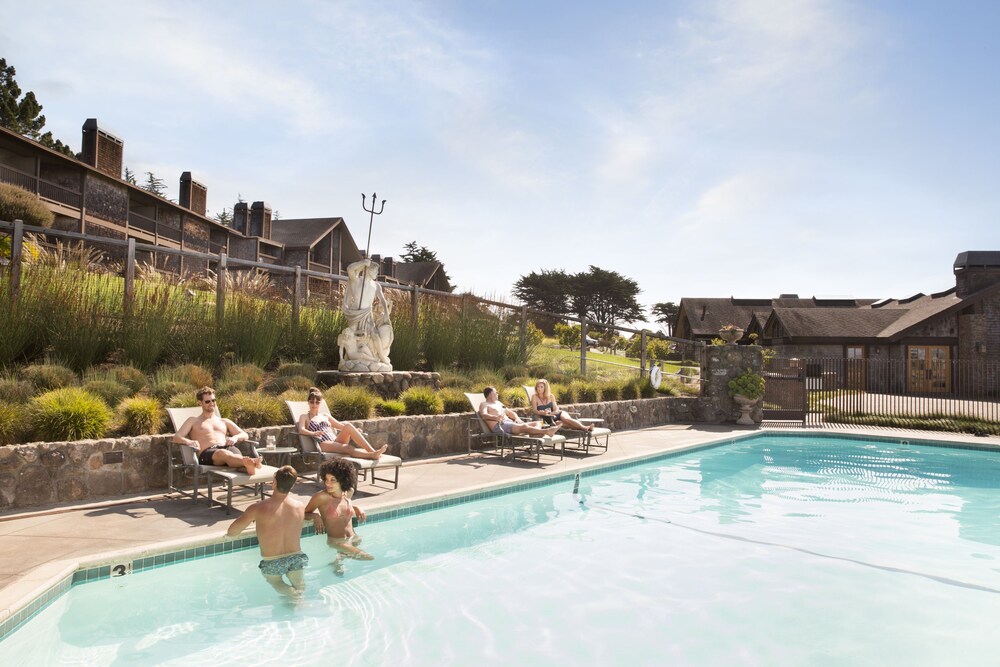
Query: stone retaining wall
x=39 y=474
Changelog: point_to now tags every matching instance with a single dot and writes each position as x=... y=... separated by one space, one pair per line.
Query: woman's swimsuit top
x=546 y=406
x=324 y=428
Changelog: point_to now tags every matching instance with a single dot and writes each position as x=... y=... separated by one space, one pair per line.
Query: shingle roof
x=302 y=232
x=835 y=322
x=706 y=316
x=417 y=273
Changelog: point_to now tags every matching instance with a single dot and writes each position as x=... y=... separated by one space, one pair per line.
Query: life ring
x=655 y=377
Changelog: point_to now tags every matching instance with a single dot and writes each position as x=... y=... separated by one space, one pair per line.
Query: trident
x=369 y=243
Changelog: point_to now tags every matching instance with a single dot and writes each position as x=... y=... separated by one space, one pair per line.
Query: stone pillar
x=722 y=364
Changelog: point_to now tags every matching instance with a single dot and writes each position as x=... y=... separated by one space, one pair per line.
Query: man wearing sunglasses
x=215 y=438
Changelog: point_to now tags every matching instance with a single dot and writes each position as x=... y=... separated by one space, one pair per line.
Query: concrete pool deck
x=38 y=548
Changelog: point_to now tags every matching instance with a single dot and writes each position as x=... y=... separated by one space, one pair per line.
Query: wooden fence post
x=129 y=297
x=415 y=307
x=296 y=299
x=642 y=354
x=220 y=291
x=16 y=242
x=583 y=346
x=524 y=334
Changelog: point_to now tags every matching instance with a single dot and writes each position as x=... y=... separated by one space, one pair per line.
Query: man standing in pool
x=279 y=527
x=336 y=512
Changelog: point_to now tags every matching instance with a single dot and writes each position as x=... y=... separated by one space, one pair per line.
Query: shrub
x=46 y=377
x=646 y=389
x=165 y=390
x=454 y=400
x=243 y=375
x=510 y=396
x=747 y=384
x=20 y=204
x=611 y=391
x=68 y=414
x=252 y=409
x=384 y=408
x=195 y=375
x=564 y=393
x=457 y=380
x=15 y=391
x=109 y=391
x=235 y=385
x=422 y=401
x=131 y=377
x=586 y=392
x=284 y=383
x=630 y=390
x=139 y=415
x=184 y=399
x=11 y=423
x=348 y=403
x=295 y=368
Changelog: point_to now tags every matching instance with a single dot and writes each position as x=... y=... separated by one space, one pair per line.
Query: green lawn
x=568 y=361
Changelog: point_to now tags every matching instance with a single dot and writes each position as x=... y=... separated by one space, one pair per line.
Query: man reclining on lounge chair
x=499 y=418
x=215 y=438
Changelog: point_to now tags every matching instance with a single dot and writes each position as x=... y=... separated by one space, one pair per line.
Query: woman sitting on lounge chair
x=347 y=442
x=544 y=404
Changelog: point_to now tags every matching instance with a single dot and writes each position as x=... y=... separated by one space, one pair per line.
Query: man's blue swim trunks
x=275 y=567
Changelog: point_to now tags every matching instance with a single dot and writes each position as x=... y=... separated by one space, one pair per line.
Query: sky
x=708 y=148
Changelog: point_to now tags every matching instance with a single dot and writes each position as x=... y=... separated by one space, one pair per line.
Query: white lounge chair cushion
x=239 y=476
x=384 y=461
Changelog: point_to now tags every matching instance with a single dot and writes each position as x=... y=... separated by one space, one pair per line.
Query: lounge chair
x=181 y=457
x=480 y=432
x=312 y=452
x=579 y=440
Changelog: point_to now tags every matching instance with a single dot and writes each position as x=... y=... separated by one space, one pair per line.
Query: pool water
x=772 y=550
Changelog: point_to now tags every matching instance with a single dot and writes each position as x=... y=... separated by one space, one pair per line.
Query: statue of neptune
x=364 y=343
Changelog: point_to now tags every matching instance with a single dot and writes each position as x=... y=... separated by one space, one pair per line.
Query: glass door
x=929 y=369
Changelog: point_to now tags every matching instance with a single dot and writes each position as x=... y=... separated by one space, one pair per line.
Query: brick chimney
x=260 y=220
x=193 y=195
x=102 y=150
x=976 y=270
x=389 y=267
x=241 y=218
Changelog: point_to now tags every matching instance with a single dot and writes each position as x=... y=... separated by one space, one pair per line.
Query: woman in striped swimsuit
x=333 y=436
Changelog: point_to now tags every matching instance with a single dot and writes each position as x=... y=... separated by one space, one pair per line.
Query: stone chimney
x=241 y=218
x=193 y=195
x=976 y=270
x=102 y=150
x=260 y=220
x=389 y=267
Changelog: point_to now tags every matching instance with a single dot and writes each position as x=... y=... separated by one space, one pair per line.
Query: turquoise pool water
x=772 y=550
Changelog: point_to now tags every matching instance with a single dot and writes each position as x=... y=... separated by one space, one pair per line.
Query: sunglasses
x=209 y=401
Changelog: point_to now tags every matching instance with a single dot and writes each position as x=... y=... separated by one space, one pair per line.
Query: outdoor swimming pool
x=771 y=550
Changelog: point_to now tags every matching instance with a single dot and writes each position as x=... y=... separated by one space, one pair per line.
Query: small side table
x=284 y=454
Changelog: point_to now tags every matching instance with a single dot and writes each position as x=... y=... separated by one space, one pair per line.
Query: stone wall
x=39 y=474
x=387 y=385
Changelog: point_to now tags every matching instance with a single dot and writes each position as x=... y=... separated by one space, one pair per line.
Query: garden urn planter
x=730 y=335
x=746 y=404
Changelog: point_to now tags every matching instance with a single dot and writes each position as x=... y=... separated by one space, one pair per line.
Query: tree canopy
x=597 y=294
x=664 y=313
x=154 y=184
x=24 y=114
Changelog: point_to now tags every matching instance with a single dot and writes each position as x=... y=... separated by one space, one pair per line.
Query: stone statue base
x=388 y=384
x=363 y=366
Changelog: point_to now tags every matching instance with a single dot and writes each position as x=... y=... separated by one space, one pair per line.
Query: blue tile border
x=156 y=561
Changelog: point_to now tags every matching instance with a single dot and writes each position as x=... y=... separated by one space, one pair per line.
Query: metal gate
x=785 y=395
